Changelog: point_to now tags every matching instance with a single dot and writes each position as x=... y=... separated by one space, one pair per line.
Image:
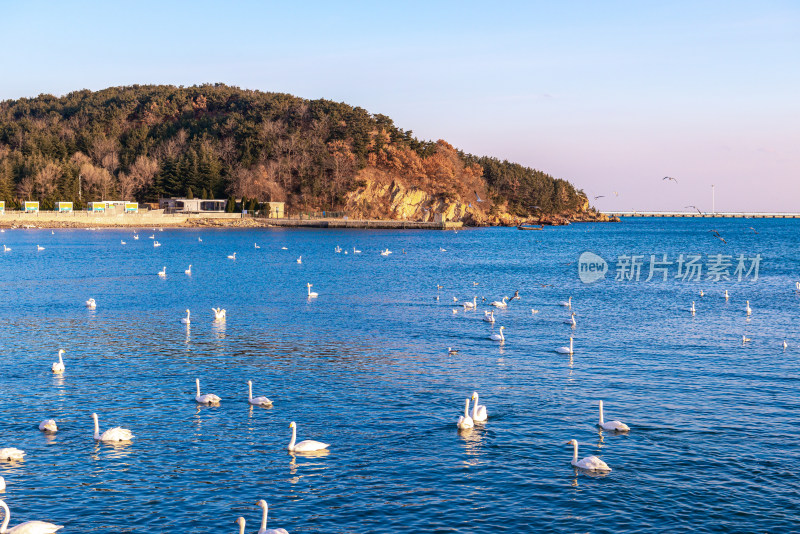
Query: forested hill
x=216 y=141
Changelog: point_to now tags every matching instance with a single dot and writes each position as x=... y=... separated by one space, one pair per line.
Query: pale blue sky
x=609 y=95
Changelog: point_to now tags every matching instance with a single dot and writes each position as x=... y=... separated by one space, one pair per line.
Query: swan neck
x=294 y=437
x=466 y=409
x=601 y=413
x=575 y=451
x=249 y=391
x=96 y=428
x=475 y=408
x=264 y=518
x=6 y=516
x=197 y=383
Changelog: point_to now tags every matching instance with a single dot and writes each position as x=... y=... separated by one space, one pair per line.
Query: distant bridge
x=719 y=214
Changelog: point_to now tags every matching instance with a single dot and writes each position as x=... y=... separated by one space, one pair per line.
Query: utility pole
x=713 y=208
x=79 y=188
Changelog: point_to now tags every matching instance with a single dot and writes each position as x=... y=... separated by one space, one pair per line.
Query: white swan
x=187 y=319
x=152 y=236
x=255 y=245
x=534 y=311
x=386 y=252
x=571 y=319
x=39 y=247
x=338 y=249
x=163 y=272
x=307 y=445
x=498 y=336
x=478 y=411
x=200 y=239
x=257 y=401
x=748 y=309
x=112 y=434
x=311 y=294
x=2 y=484
x=264 y=530
x=300 y=259
x=58 y=367
x=565 y=350
x=156 y=244
x=488 y=316
x=471 y=305
x=136 y=237
x=241 y=522
x=91 y=304
x=28 y=527
x=48 y=425
x=567 y=303
x=692 y=308
x=11 y=453
x=784 y=344
x=121 y=242
x=500 y=304
x=6 y=249
x=745 y=339
x=451 y=351
x=726 y=295
x=590 y=463
x=455 y=311
x=356 y=251
x=189 y=270
x=284 y=248
x=702 y=294
x=208 y=398
x=232 y=256
x=465 y=421
x=614 y=426
x=219 y=314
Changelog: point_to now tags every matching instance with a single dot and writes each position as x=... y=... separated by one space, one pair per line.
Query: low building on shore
x=30 y=206
x=64 y=207
x=192 y=205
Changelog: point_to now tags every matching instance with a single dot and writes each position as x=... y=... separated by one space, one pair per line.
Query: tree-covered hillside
x=216 y=141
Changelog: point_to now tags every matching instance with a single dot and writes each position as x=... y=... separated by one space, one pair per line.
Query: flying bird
x=716 y=234
x=670 y=178
x=477 y=196
x=599 y=196
x=753 y=229
x=695 y=207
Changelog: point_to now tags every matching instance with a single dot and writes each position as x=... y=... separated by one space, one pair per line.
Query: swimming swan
x=39 y=247
x=465 y=421
x=692 y=308
x=187 y=320
x=6 y=249
x=499 y=335
x=232 y=256
x=488 y=316
x=500 y=304
x=311 y=294
x=189 y=270
x=112 y=434
x=300 y=259
x=264 y=530
x=614 y=426
x=91 y=304
x=208 y=398
x=565 y=350
x=257 y=401
x=156 y=244
x=571 y=319
x=307 y=445
x=748 y=309
x=28 y=527
x=590 y=463
x=471 y=305
x=219 y=314
x=11 y=453
x=48 y=425
x=58 y=367
x=567 y=303
x=163 y=272
x=478 y=411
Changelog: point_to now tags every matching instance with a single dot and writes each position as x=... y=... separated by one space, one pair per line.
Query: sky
x=612 y=96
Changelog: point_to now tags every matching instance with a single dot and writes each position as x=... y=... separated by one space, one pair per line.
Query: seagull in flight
x=753 y=229
x=695 y=207
x=716 y=234
x=670 y=178
x=477 y=196
x=599 y=196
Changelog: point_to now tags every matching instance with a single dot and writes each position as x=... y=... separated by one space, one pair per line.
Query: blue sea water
x=713 y=445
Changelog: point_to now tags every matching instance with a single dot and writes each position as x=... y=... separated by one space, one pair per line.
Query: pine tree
x=189 y=193
x=231 y=206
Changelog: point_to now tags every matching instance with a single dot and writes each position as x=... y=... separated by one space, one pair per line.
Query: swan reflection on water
x=310 y=467
x=218 y=327
x=112 y=449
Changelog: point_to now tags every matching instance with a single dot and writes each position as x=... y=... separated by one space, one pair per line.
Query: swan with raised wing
x=300 y=259
x=112 y=434
x=208 y=398
x=264 y=530
x=91 y=304
x=465 y=421
x=307 y=445
x=219 y=314
x=58 y=367
x=28 y=527
x=498 y=336
x=478 y=411
x=614 y=426
x=590 y=463
x=256 y=401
